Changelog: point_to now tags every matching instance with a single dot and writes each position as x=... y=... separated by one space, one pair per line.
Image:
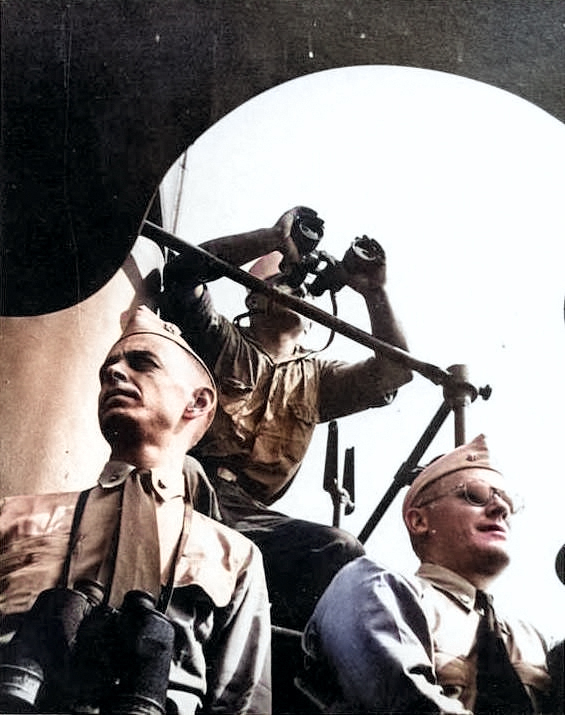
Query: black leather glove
x=307 y=230
x=188 y=270
x=364 y=255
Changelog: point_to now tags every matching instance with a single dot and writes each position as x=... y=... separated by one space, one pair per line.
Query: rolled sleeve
x=346 y=388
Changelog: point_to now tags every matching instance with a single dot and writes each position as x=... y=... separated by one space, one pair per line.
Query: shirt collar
x=448 y=581
x=299 y=352
x=166 y=485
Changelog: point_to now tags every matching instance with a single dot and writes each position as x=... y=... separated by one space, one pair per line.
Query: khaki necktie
x=137 y=565
x=499 y=689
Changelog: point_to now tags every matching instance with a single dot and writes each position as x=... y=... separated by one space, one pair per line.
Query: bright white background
x=463 y=184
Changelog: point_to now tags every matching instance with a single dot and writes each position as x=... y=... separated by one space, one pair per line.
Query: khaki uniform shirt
x=232 y=614
x=399 y=645
x=268 y=410
x=448 y=602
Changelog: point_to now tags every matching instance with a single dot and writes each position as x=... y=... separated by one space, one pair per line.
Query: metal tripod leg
x=405 y=475
x=458 y=394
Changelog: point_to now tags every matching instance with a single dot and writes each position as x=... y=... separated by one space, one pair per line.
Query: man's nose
x=498 y=505
x=116 y=373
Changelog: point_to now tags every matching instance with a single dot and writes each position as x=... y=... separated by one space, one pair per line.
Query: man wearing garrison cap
x=130 y=550
x=272 y=394
x=432 y=643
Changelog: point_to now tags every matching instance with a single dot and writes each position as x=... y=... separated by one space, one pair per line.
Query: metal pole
x=331 y=484
x=404 y=475
x=427 y=370
x=458 y=396
x=458 y=393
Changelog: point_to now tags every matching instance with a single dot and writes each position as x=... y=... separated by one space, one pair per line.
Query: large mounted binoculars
x=73 y=654
x=363 y=256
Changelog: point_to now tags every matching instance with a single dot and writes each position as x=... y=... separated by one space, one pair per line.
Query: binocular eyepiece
x=73 y=654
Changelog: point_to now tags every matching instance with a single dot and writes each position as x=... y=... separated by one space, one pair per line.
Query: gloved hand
x=301 y=230
x=188 y=270
x=307 y=229
x=364 y=265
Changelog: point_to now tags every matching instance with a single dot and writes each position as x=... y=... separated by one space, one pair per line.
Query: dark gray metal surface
x=100 y=97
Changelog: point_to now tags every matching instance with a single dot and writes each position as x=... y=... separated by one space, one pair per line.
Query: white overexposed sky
x=463 y=185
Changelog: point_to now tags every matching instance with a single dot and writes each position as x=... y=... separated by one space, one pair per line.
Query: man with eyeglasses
x=411 y=645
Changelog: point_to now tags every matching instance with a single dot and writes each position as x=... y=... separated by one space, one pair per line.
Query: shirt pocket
x=303 y=412
x=300 y=421
x=456 y=677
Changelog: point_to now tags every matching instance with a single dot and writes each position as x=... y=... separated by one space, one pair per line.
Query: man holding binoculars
x=88 y=577
x=272 y=393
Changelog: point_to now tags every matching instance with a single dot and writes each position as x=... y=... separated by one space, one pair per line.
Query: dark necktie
x=138 y=559
x=499 y=689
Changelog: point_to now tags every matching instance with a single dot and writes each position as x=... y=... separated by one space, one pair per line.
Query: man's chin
x=110 y=433
x=495 y=560
x=117 y=427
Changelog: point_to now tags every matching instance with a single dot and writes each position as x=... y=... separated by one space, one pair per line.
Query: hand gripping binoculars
x=364 y=255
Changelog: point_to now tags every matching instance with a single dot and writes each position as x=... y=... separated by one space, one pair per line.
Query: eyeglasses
x=479 y=493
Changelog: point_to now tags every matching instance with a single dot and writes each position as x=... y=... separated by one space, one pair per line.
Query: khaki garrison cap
x=143 y=321
x=474 y=455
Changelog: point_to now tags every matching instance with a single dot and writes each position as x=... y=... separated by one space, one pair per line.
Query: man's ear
x=416 y=521
x=203 y=400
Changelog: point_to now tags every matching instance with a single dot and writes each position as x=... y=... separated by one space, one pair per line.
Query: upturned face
x=463 y=523
x=265 y=309
x=146 y=383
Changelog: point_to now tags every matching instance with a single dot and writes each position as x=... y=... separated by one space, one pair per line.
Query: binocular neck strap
x=93 y=538
x=114 y=541
x=66 y=576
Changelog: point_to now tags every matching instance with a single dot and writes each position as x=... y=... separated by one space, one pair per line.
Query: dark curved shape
x=560 y=564
x=94 y=111
x=99 y=98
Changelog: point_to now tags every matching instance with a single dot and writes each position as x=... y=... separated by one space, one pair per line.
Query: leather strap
x=93 y=544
